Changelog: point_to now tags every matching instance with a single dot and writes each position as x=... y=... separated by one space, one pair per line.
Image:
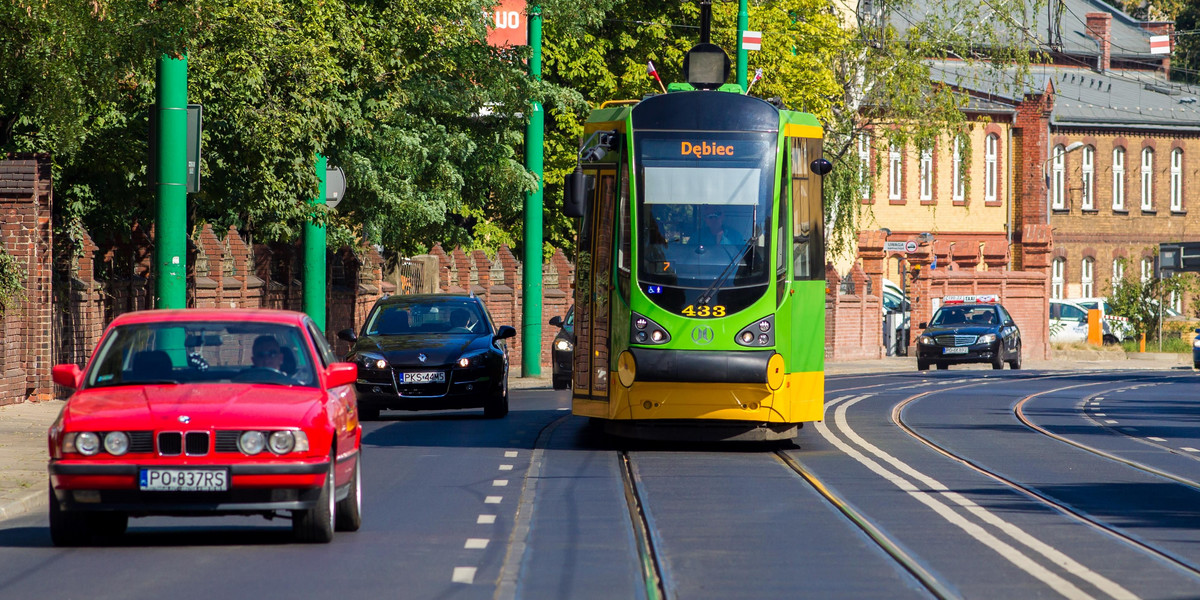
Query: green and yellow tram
x=700 y=274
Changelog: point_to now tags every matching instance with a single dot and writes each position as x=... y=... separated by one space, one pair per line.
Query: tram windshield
x=703 y=215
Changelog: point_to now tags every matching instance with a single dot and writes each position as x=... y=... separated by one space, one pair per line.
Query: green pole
x=314 y=256
x=743 y=22
x=170 y=244
x=531 y=299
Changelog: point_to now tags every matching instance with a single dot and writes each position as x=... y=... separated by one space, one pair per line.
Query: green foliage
x=12 y=280
x=1138 y=300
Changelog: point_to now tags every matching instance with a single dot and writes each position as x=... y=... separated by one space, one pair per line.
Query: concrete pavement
x=23 y=477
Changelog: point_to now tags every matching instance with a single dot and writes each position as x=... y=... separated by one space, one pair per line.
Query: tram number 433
x=704 y=311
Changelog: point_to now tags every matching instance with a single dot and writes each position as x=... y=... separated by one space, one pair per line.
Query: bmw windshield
x=703 y=210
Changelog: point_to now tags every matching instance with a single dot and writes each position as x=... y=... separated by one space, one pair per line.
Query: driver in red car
x=266 y=353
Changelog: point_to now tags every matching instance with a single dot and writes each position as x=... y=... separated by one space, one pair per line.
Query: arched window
x=927 y=174
x=1058 y=199
x=864 y=164
x=990 y=177
x=1086 y=277
x=895 y=174
x=1088 y=173
x=1118 y=180
x=1177 y=180
x=960 y=186
x=1147 y=179
x=1056 y=278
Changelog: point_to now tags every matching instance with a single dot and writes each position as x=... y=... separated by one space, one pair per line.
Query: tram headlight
x=641 y=336
x=747 y=337
x=757 y=334
x=657 y=335
x=764 y=325
x=646 y=331
x=641 y=323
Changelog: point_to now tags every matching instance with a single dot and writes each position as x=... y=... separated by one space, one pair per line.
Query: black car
x=563 y=350
x=430 y=352
x=969 y=329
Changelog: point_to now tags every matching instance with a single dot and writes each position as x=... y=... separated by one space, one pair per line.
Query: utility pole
x=314 y=255
x=531 y=298
x=743 y=22
x=170 y=243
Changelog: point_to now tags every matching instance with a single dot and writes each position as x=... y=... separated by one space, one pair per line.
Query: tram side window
x=624 y=228
x=781 y=234
x=808 y=215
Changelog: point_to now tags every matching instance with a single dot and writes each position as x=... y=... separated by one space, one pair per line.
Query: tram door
x=593 y=274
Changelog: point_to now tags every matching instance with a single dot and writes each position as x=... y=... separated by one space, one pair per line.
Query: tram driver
x=715 y=231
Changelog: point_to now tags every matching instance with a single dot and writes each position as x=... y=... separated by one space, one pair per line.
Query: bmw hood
x=406 y=350
x=199 y=406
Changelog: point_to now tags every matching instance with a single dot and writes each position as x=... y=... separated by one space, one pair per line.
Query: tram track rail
x=647 y=553
x=1037 y=496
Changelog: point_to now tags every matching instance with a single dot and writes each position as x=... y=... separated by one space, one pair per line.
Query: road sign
x=509 y=26
x=1179 y=257
x=751 y=40
x=910 y=246
x=1160 y=44
x=335 y=186
x=893 y=247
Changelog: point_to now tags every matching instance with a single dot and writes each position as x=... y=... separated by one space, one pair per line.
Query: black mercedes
x=969 y=330
x=430 y=352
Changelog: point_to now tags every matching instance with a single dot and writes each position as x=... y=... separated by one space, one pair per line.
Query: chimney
x=1099 y=26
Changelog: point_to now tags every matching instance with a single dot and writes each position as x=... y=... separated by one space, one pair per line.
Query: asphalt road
x=960 y=483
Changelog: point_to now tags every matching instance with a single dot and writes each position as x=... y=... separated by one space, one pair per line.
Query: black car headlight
x=986 y=338
x=563 y=345
x=372 y=361
x=925 y=340
x=474 y=359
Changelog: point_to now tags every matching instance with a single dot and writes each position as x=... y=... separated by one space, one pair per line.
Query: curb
x=30 y=502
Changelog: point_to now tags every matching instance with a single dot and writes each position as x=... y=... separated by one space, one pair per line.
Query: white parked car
x=1116 y=328
x=1068 y=322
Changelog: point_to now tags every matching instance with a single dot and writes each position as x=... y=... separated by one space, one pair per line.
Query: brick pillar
x=1036 y=248
x=27 y=333
x=1031 y=197
x=1099 y=26
x=870 y=252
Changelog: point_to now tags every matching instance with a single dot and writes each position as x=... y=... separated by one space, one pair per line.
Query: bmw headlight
x=986 y=338
x=371 y=360
x=282 y=442
x=563 y=345
x=87 y=443
x=116 y=443
x=252 y=442
x=925 y=340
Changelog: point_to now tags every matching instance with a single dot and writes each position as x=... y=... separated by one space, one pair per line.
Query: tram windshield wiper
x=729 y=269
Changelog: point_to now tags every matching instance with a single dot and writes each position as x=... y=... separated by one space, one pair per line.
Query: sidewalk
x=23 y=477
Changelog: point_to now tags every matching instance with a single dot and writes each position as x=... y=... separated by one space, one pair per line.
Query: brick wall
x=853 y=317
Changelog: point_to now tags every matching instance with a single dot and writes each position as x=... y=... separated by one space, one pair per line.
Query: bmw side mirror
x=556 y=321
x=347 y=335
x=66 y=375
x=505 y=332
x=340 y=373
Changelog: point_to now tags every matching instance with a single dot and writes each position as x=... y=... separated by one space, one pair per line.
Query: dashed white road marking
x=1189 y=449
x=476 y=543
x=510 y=454
x=931 y=497
x=499 y=482
x=506 y=467
x=1110 y=421
x=563 y=408
x=1156 y=439
x=463 y=575
x=485 y=520
x=1100 y=415
x=493 y=500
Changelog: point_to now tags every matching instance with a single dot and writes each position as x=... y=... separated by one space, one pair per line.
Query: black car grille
x=172 y=443
x=955 y=340
x=141 y=441
x=227 y=441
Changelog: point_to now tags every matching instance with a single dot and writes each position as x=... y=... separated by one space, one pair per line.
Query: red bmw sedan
x=207 y=412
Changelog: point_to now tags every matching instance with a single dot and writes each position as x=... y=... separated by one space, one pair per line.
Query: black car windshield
x=982 y=316
x=704 y=205
x=424 y=317
x=203 y=352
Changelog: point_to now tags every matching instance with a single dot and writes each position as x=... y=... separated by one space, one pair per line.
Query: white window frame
x=1177 y=180
x=1058 y=199
x=1088 y=176
x=1147 y=269
x=1176 y=301
x=927 y=174
x=1087 y=272
x=1147 y=179
x=1056 y=278
x=864 y=163
x=990 y=182
x=959 y=192
x=1118 y=270
x=1118 y=178
x=895 y=173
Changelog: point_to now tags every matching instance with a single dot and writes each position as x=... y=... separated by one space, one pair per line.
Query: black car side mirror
x=556 y=321
x=1009 y=323
x=347 y=335
x=505 y=332
x=923 y=325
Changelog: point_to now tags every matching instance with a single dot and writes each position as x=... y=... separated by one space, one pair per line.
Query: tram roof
x=613 y=114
